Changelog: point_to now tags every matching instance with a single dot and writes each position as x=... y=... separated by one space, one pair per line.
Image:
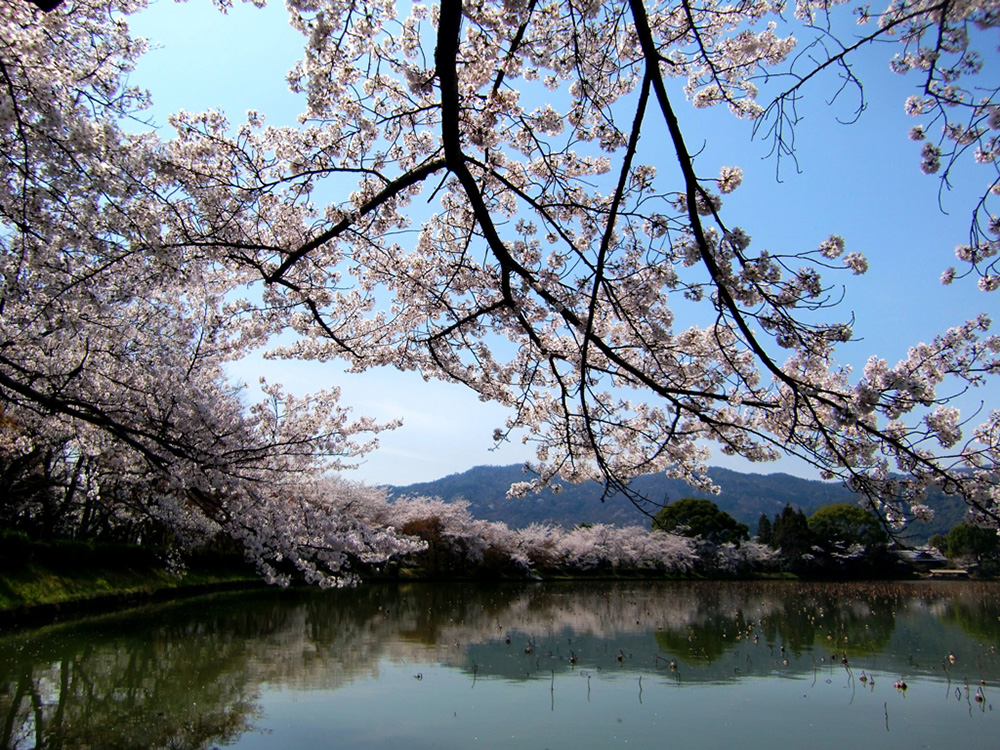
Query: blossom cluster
x=959 y=115
x=474 y=544
x=558 y=268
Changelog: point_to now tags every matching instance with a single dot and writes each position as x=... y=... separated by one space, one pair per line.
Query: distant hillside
x=744 y=496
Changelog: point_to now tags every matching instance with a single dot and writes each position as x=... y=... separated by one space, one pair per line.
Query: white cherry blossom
x=544 y=273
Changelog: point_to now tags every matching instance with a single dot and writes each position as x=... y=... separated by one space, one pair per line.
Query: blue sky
x=862 y=181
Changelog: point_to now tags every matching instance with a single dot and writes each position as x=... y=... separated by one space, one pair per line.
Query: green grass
x=62 y=574
x=35 y=585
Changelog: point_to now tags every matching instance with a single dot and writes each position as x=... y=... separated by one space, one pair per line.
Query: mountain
x=744 y=496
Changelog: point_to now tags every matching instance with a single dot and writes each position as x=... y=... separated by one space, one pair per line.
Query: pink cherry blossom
x=470 y=193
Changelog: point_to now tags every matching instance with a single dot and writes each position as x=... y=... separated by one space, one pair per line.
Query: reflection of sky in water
x=590 y=665
x=445 y=710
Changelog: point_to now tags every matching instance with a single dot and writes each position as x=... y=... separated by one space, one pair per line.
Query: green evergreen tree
x=765 y=529
x=968 y=542
x=694 y=517
x=792 y=536
x=847 y=525
x=940 y=542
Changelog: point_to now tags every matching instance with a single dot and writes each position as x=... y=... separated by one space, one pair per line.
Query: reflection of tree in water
x=976 y=610
x=846 y=619
x=703 y=642
x=189 y=675
x=828 y=619
x=177 y=683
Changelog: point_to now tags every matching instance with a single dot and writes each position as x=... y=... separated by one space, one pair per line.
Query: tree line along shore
x=42 y=579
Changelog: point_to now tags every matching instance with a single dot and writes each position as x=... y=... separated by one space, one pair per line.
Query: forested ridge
x=744 y=496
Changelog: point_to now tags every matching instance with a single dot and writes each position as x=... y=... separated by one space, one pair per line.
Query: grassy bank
x=39 y=580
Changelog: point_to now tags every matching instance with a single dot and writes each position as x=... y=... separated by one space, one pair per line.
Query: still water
x=581 y=665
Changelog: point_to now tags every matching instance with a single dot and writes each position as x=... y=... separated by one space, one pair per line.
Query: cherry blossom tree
x=548 y=274
x=471 y=193
x=459 y=543
x=114 y=333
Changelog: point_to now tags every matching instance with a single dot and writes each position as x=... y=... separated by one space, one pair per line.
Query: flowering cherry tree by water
x=470 y=193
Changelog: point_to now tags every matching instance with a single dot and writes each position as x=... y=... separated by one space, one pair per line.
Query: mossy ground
x=63 y=574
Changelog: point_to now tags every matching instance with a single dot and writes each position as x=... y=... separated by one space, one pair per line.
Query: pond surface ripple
x=556 y=665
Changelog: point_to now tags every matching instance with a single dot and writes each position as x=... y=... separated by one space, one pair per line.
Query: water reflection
x=204 y=672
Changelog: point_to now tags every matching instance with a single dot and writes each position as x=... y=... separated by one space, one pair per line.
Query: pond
x=550 y=665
